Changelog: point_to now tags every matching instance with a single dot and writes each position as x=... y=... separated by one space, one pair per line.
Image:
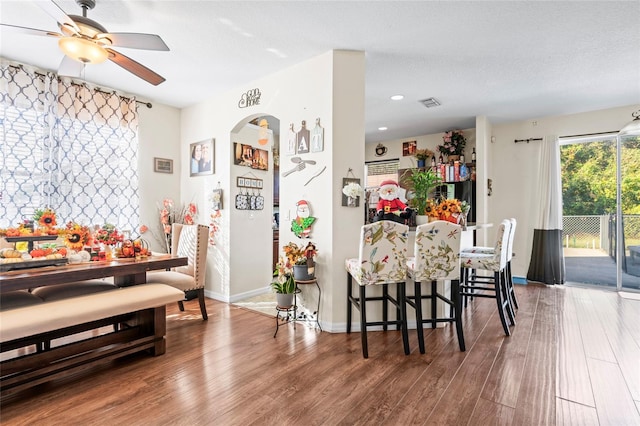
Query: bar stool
x=489 y=250
x=437 y=258
x=381 y=261
x=495 y=262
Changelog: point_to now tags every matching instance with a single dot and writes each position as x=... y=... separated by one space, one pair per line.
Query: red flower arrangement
x=108 y=235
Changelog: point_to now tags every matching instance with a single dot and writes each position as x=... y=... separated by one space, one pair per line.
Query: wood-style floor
x=573 y=359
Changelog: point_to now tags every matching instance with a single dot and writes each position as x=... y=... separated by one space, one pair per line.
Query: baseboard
x=519 y=280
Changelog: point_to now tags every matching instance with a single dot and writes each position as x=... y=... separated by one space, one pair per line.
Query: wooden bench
x=139 y=311
x=634 y=252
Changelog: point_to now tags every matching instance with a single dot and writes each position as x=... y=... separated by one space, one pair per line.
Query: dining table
x=125 y=272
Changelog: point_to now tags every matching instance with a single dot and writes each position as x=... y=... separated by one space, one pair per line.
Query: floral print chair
x=490 y=250
x=437 y=257
x=495 y=262
x=189 y=241
x=381 y=261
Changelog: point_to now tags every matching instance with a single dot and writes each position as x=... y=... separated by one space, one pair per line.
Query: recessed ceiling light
x=397 y=97
x=382 y=128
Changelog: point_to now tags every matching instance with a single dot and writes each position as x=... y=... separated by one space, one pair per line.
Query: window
x=67 y=147
x=379 y=171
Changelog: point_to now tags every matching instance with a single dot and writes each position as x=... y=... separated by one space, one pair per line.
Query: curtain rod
x=589 y=134
x=390 y=160
x=97 y=89
x=527 y=140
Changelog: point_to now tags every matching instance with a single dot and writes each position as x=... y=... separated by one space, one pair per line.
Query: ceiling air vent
x=430 y=103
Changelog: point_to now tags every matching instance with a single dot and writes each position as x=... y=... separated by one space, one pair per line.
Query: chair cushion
x=479 y=249
x=18 y=299
x=74 y=289
x=175 y=279
x=484 y=261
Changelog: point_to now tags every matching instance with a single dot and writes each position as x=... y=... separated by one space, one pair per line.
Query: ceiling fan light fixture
x=83 y=50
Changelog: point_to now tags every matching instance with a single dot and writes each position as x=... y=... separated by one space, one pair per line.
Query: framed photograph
x=240 y=182
x=348 y=201
x=201 y=158
x=162 y=165
x=243 y=154
x=409 y=148
x=260 y=159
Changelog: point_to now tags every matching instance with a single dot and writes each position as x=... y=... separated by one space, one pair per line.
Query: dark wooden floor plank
x=488 y=413
x=613 y=401
x=571 y=413
x=503 y=382
x=536 y=397
x=231 y=371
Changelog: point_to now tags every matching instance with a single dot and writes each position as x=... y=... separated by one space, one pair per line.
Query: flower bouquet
x=453 y=143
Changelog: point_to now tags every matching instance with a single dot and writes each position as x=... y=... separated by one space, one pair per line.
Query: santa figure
x=390 y=207
x=301 y=225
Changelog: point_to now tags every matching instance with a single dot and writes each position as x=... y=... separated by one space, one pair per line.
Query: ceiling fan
x=85 y=41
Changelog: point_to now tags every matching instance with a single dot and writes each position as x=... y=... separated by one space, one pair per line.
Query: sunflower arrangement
x=46 y=218
x=449 y=210
x=431 y=209
x=76 y=236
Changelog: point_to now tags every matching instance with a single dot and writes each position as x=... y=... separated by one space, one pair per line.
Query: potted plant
x=453 y=144
x=283 y=284
x=422 y=184
x=302 y=258
x=422 y=155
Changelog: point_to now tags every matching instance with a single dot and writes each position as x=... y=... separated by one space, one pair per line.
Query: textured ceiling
x=509 y=61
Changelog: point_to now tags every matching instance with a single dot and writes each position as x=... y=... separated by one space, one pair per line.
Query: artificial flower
x=352 y=190
x=45 y=218
x=453 y=143
x=76 y=236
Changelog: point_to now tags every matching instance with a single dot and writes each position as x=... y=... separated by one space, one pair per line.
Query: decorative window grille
x=66 y=146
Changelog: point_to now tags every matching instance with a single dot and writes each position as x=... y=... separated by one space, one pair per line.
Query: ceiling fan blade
x=136 y=41
x=30 y=31
x=56 y=12
x=70 y=67
x=135 y=67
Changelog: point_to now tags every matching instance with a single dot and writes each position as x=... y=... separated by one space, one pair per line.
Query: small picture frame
x=216 y=199
x=243 y=154
x=346 y=202
x=409 y=148
x=201 y=158
x=162 y=165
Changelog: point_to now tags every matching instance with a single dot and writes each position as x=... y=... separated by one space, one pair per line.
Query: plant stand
x=284 y=316
x=311 y=282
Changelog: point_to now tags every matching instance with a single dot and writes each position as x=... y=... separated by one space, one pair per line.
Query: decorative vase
x=421 y=219
x=284 y=300
x=301 y=273
x=421 y=163
x=108 y=252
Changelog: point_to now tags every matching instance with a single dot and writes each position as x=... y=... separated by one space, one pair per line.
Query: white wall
x=329 y=87
x=158 y=136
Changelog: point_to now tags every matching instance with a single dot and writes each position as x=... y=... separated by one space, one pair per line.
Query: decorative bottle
x=473 y=156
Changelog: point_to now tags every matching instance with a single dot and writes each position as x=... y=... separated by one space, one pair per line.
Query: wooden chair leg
x=349 y=301
x=434 y=303
x=501 y=307
x=419 y=323
x=457 y=307
x=181 y=306
x=398 y=296
x=512 y=292
x=385 y=307
x=403 y=316
x=203 y=307
x=363 y=322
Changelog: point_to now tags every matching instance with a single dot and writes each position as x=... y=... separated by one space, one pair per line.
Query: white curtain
x=547 y=260
x=69 y=147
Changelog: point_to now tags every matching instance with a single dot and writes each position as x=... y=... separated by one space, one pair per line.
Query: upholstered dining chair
x=495 y=262
x=437 y=258
x=473 y=277
x=189 y=241
x=381 y=261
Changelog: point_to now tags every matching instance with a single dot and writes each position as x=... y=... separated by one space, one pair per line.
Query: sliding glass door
x=596 y=251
